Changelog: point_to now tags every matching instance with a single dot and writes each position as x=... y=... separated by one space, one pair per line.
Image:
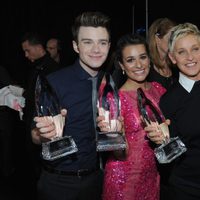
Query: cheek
x=29 y=54
x=146 y=64
x=165 y=48
x=148 y=69
x=198 y=56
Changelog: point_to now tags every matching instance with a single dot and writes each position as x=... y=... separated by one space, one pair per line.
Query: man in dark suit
x=33 y=46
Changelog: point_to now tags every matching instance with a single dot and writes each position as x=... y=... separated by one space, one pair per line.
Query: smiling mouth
x=139 y=71
x=191 y=64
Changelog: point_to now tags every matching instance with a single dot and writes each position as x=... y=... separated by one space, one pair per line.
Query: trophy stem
x=108 y=105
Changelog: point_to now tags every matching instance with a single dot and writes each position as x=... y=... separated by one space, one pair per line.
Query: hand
x=49 y=127
x=46 y=127
x=102 y=124
x=105 y=126
x=157 y=133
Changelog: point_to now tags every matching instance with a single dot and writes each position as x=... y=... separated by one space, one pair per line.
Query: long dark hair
x=124 y=41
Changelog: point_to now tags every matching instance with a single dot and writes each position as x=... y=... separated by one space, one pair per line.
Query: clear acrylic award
x=48 y=106
x=171 y=148
x=110 y=109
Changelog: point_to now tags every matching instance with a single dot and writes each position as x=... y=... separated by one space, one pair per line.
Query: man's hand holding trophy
x=51 y=122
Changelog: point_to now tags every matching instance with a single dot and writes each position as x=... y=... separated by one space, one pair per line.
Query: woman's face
x=162 y=43
x=186 y=55
x=135 y=62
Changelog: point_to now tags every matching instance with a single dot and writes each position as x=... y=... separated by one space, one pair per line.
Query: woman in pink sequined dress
x=135 y=176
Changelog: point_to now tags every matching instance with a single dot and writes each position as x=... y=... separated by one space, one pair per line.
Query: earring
x=123 y=72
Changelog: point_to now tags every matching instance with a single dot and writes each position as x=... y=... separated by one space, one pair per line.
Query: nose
x=95 y=47
x=138 y=64
x=189 y=56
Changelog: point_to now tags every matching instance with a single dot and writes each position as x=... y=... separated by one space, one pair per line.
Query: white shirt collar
x=186 y=82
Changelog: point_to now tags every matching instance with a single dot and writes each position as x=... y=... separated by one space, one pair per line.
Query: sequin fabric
x=136 y=177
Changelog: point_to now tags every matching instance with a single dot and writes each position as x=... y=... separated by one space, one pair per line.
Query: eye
x=104 y=43
x=181 y=52
x=143 y=57
x=130 y=60
x=195 y=49
x=87 y=42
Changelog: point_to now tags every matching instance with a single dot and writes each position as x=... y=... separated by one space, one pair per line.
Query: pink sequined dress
x=136 y=177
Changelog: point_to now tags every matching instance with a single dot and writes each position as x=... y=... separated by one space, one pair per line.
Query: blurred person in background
x=162 y=69
x=54 y=47
x=33 y=45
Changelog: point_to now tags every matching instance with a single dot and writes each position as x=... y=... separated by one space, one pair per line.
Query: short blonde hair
x=180 y=31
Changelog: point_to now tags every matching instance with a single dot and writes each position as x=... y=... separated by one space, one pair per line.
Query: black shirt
x=166 y=82
x=74 y=90
x=183 y=108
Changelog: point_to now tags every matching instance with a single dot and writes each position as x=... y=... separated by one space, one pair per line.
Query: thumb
x=64 y=112
x=168 y=122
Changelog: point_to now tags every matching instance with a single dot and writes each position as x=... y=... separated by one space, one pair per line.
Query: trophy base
x=110 y=141
x=58 y=148
x=166 y=153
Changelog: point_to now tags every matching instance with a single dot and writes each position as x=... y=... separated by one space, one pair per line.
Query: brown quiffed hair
x=93 y=19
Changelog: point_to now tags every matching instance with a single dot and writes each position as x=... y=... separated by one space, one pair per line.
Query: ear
x=172 y=58
x=75 y=46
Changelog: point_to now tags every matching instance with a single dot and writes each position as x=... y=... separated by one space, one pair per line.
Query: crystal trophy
x=171 y=148
x=47 y=106
x=108 y=105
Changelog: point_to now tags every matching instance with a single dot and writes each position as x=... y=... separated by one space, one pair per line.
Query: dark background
x=54 y=18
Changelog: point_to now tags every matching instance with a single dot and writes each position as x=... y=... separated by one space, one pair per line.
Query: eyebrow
x=84 y=39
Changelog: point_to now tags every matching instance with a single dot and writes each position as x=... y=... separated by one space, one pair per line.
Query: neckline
x=159 y=72
x=128 y=88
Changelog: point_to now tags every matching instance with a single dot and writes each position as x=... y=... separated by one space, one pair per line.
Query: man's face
x=32 y=52
x=93 y=47
x=52 y=48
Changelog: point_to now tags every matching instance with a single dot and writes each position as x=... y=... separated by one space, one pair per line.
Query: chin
x=141 y=79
